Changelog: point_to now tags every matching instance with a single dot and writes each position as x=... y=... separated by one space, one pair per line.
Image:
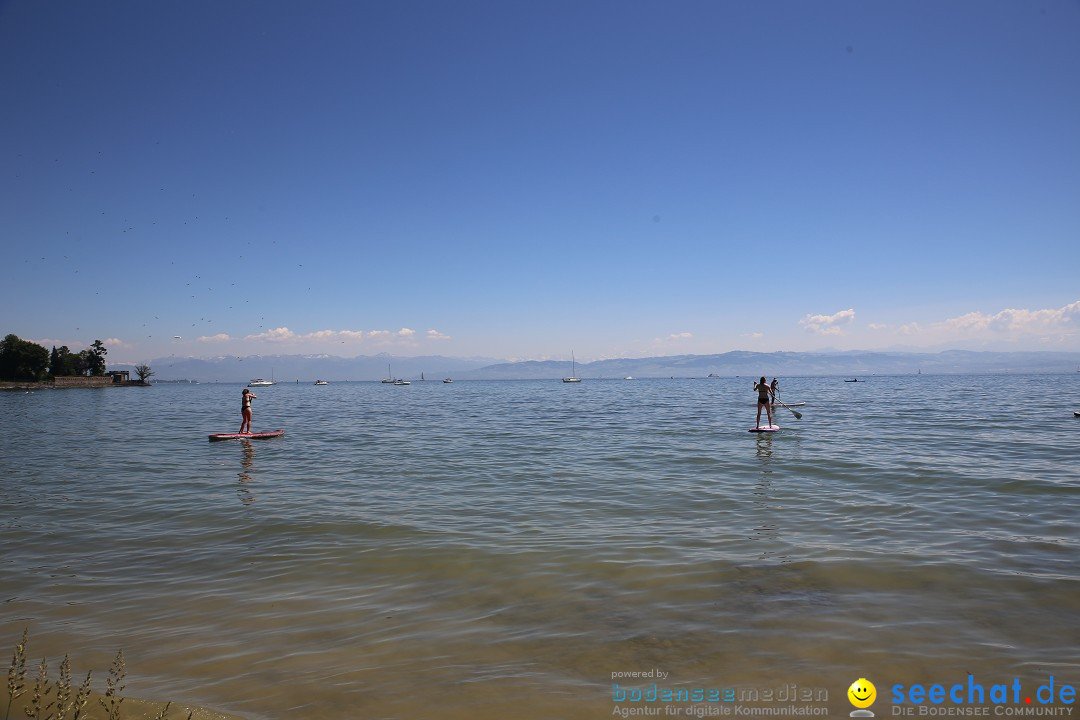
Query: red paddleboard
x=765 y=428
x=247 y=436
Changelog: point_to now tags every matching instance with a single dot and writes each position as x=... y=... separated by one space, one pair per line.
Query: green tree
x=22 y=359
x=63 y=362
x=95 y=358
x=84 y=362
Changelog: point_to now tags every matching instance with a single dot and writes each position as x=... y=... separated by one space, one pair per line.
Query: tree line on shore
x=26 y=361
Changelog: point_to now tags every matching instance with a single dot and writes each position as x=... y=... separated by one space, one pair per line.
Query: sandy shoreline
x=131 y=709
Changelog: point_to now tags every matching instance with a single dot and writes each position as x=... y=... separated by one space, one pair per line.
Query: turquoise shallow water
x=499 y=549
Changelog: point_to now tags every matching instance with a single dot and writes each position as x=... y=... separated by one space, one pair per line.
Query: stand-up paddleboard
x=246 y=436
x=765 y=428
x=776 y=404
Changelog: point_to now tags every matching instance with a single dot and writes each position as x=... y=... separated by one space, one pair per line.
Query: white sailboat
x=573 y=371
x=391 y=380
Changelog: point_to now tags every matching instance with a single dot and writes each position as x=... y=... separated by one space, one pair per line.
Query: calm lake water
x=500 y=549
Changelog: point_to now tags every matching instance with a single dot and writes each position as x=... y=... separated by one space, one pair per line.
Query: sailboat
x=392 y=380
x=573 y=371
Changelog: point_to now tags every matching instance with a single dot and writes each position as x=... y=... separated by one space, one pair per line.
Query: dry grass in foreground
x=58 y=699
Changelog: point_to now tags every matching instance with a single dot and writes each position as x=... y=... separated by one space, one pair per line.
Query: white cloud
x=285 y=335
x=1051 y=326
x=219 y=338
x=828 y=324
x=672 y=338
x=912 y=328
x=281 y=334
x=436 y=335
x=1016 y=322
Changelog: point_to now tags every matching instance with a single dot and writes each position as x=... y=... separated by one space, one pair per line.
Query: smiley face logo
x=862 y=693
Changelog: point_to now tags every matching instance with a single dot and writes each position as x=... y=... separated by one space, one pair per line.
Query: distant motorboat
x=259 y=382
x=447 y=380
x=628 y=377
x=321 y=382
x=852 y=380
x=402 y=382
x=573 y=370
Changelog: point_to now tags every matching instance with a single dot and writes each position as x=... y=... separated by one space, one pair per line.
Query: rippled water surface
x=499 y=549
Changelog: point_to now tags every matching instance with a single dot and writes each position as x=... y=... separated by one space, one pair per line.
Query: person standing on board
x=764 y=397
x=775 y=387
x=245 y=411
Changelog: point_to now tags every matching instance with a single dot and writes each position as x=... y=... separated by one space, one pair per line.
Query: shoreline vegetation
x=26 y=365
x=32 y=693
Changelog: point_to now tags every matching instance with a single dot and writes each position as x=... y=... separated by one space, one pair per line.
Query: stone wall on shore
x=83 y=381
x=70 y=382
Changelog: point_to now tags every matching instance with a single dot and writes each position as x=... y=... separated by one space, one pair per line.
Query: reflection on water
x=766 y=531
x=247 y=461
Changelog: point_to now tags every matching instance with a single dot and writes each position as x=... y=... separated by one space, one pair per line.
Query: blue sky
x=519 y=179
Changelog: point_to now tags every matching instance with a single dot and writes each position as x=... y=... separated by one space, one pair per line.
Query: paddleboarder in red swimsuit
x=245 y=411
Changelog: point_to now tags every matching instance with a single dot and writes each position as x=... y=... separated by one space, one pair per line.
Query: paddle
x=796 y=413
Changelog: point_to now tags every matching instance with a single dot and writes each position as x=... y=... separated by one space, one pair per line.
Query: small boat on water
x=389 y=379
x=628 y=377
x=259 y=382
x=321 y=382
x=573 y=370
x=447 y=380
x=399 y=381
x=852 y=380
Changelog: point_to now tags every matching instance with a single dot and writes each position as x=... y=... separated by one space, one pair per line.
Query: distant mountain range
x=307 y=368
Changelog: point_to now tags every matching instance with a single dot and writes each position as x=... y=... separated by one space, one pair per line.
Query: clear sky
x=519 y=179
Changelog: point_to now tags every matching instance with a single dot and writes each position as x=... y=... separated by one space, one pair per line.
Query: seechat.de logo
x=862 y=695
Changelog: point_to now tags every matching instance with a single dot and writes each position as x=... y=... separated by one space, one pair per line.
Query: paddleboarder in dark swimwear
x=245 y=411
x=764 y=397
